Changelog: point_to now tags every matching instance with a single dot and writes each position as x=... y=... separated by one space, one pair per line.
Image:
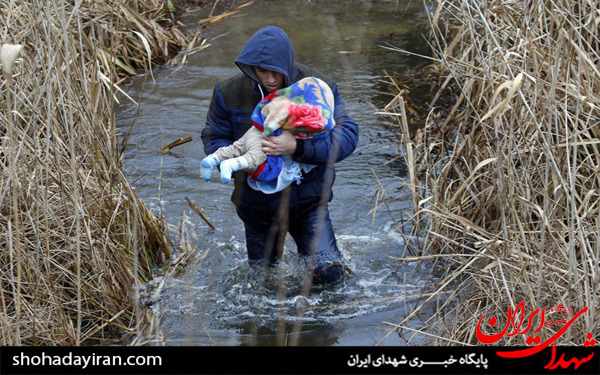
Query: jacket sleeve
x=218 y=131
x=341 y=142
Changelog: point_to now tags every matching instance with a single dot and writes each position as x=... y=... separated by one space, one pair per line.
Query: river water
x=216 y=300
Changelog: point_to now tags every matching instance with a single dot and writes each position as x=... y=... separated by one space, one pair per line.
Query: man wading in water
x=267 y=63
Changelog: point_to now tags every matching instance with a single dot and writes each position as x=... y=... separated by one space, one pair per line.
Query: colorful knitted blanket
x=305 y=108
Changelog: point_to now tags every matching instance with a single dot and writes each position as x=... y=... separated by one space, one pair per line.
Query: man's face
x=271 y=80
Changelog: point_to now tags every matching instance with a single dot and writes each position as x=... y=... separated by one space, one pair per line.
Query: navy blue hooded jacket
x=228 y=119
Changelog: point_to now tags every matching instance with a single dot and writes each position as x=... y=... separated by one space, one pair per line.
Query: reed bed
x=75 y=240
x=506 y=180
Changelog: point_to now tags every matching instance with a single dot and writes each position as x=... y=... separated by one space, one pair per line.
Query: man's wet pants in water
x=310 y=230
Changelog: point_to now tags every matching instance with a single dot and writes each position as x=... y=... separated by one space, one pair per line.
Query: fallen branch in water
x=218 y=18
x=176 y=143
x=199 y=212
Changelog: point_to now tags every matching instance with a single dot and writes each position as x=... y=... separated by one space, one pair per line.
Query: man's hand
x=280 y=145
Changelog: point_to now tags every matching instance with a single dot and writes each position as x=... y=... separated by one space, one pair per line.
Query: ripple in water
x=200 y=301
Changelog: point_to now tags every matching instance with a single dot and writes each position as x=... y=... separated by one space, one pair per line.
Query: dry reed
x=510 y=174
x=75 y=240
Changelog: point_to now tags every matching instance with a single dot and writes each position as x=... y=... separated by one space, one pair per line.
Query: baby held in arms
x=305 y=108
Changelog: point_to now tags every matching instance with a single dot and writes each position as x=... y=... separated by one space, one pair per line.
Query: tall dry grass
x=507 y=183
x=74 y=238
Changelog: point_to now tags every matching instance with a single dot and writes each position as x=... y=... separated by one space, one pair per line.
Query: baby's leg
x=231 y=165
x=248 y=156
x=236 y=149
x=245 y=153
x=207 y=165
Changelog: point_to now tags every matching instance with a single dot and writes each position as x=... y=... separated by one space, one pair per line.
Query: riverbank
x=75 y=240
x=505 y=178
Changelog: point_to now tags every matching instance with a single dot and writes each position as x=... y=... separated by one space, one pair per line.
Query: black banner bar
x=295 y=360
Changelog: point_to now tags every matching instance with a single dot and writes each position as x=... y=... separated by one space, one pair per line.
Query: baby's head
x=276 y=114
x=312 y=113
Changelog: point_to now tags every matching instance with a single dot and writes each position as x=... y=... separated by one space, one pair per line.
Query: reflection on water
x=219 y=300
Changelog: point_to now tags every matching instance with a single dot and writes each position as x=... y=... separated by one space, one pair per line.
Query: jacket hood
x=269 y=48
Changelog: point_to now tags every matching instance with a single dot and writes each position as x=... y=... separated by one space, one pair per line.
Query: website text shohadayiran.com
x=83 y=361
